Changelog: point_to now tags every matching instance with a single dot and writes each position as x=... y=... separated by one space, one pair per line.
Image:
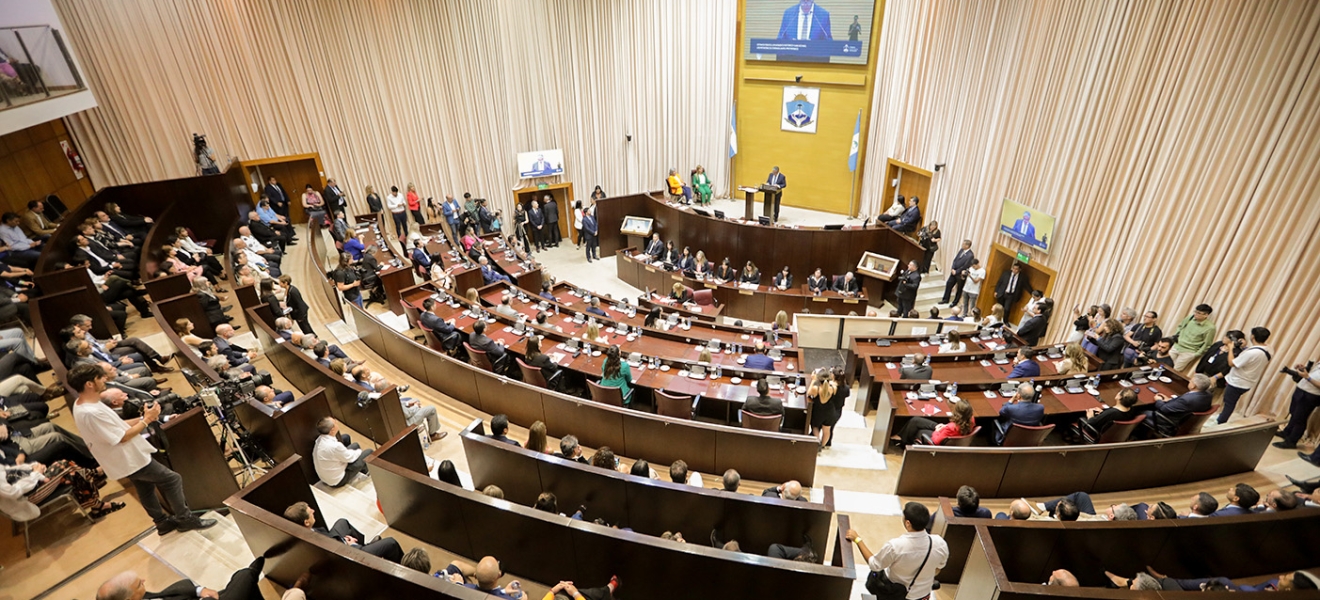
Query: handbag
x=879 y=584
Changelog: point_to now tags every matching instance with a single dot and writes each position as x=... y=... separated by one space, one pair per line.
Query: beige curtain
x=1177 y=142
x=440 y=94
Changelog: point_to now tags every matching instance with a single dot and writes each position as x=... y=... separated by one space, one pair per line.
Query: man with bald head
x=1063 y=578
x=130 y=586
x=238 y=356
x=1021 y=409
x=484 y=577
x=789 y=490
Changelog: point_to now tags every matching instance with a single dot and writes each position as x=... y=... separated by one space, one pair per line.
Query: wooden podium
x=749 y=210
x=772 y=198
x=563 y=195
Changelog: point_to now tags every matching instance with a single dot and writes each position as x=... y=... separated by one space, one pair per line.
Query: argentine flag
x=857 y=136
x=733 y=131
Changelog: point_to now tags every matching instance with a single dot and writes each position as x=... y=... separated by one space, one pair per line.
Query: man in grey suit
x=919 y=369
x=764 y=404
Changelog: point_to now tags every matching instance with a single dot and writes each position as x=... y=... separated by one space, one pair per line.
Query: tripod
x=228 y=434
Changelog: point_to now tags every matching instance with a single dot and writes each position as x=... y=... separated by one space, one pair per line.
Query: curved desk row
x=1014 y=559
x=866 y=348
x=759 y=304
x=930 y=471
x=802 y=249
x=706 y=447
x=720 y=397
x=650 y=506
x=547 y=547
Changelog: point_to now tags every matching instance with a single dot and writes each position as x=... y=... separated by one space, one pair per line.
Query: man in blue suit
x=907 y=222
x=1023 y=226
x=1242 y=498
x=489 y=275
x=1023 y=366
x=1177 y=409
x=805 y=21
x=1022 y=409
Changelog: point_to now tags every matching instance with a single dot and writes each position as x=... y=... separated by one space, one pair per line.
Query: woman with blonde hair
x=701 y=185
x=536 y=440
x=374 y=203
x=473 y=297
x=995 y=319
x=781 y=322
x=822 y=390
x=1074 y=360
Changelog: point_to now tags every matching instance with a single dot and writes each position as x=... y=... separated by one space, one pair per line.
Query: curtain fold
x=440 y=94
x=1177 y=142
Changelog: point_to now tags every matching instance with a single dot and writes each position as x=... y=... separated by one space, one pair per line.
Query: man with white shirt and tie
x=805 y=21
x=953 y=286
x=1023 y=226
x=777 y=179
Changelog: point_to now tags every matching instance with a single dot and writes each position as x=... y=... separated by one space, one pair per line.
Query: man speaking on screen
x=805 y=21
x=1024 y=226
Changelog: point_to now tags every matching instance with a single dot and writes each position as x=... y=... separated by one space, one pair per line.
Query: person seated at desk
x=422 y=257
x=1023 y=365
x=1242 y=500
x=783 y=279
x=595 y=308
x=960 y=425
x=789 y=490
x=725 y=272
x=919 y=369
x=685 y=261
x=671 y=255
x=570 y=450
x=1098 y=420
x=616 y=373
x=848 y=285
x=538 y=359
x=1169 y=413
x=763 y=403
x=817 y=282
x=499 y=428
x=955 y=343
x=750 y=274
x=479 y=341
x=655 y=248
x=907 y=222
x=701 y=268
x=430 y=318
x=1022 y=409
x=681 y=293
x=336 y=457
x=546 y=293
x=354 y=246
x=653 y=317
x=489 y=275
x=760 y=360
x=543 y=319
x=386 y=548
x=1287 y=582
x=676 y=187
x=505 y=308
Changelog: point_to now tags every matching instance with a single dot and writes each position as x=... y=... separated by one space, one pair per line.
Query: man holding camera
x=123 y=452
x=1248 y=367
x=1306 y=397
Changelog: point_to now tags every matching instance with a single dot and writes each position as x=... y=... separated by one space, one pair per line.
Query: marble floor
x=863 y=479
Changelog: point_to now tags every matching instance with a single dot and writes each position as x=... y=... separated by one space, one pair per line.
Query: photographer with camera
x=1305 y=399
x=1248 y=367
x=121 y=450
x=204 y=156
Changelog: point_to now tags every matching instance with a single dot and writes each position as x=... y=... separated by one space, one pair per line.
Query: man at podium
x=774 y=185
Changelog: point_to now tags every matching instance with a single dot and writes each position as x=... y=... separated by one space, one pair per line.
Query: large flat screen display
x=542 y=163
x=834 y=31
x=1027 y=225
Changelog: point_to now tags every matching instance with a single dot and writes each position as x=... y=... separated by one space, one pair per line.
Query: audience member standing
x=1248 y=367
x=551 y=210
x=1305 y=399
x=910 y=560
x=589 y=229
x=1194 y=334
x=1010 y=288
x=958 y=272
x=908 y=284
x=929 y=238
x=398 y=207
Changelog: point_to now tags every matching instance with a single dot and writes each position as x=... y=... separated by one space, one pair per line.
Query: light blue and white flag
x=856 y=140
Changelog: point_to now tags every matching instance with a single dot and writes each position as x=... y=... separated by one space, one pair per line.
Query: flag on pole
x=733 y=131
x=857 y=136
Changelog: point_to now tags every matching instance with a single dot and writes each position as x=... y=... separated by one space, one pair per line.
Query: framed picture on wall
x=801 y=109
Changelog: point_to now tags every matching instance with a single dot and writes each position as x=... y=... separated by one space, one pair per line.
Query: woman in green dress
x=615 y=373
x=701 y=183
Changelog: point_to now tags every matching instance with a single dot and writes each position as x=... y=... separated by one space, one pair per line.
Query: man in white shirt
x=1305 y=399
x=336 y=458
x=911 y=559
x=22 y=250
x=398 y=207
x=1248 y=366
x=972 y=286
x=272 y=255
x=256 y=261
x=123 y=452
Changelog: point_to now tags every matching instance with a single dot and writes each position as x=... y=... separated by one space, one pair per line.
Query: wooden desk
x=1011 y=559
x=759 y=304
x=290 y=431
x=864 y=348
x=396 y=271
x=531 y=542
x=195 y=454
x=930 y=471
x=646 y=505
x=707 y=448
x=802 y=249
x=525 y=275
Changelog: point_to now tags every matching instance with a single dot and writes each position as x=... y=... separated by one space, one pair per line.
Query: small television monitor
x=763 y=220
x=701 y=211
x=719 y=214
x=834 y=227
x=1027 y=225
x=540 y=163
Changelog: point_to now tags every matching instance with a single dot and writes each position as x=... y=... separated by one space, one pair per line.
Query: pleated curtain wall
x=1177 y=142
x=440 y=94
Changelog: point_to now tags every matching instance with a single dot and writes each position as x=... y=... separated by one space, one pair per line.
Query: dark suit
x=334 y=199
x=1033 y=329
x=783 y=281
x=1176 y=409
x=848 y=287
x=385 y=548
x=1021 y=413
x=781 y=181
x=242 y=586
x=817 y=284
x=908 y=221
x=908 y=284
x=953 y=286
x=1026 y=368
x=267 y=235
x=484 y=343
x=753 y=277
x=764 y=405
x=1110 y=351
x=655 y=248
x=279 y=199
x=773 y=492
x=1006 y=297
x=820 y=24
x=236 y=354
x=435 y=324
x=921 y=372
x=1232 y=510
